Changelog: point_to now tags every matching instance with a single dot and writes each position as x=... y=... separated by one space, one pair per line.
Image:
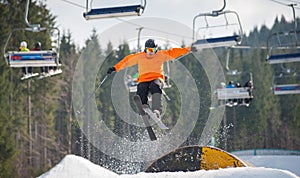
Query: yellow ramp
x=193 y=158
x=215 y=158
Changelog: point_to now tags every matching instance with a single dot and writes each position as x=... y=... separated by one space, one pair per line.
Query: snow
x=77 y=167
x=290 y=163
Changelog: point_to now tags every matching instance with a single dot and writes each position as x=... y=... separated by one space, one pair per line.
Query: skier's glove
x=111 y=70
x=193 y=49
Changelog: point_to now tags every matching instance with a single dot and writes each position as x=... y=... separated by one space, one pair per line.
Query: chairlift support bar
x=218 y=11
x=111 y=12
x=19 y=29
x=229 y=71
x=216 y=26
x=34 y=27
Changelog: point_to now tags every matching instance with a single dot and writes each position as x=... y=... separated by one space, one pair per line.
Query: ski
x=55 y=72
x=50 y=74
x=43 y=75
x=27 y=76
x=139 y=106
x=153 y=117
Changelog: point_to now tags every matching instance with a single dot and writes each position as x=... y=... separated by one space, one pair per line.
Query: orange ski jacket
x=150 y=67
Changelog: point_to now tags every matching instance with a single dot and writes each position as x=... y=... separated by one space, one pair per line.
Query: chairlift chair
x=286 y=87
x=237 y=93
x=217 y=42
x=43 y=58
x=230 y=71
x=283 y=48
x=283 y=58
x=223 y=41
x=287 y=49
x=112 y=12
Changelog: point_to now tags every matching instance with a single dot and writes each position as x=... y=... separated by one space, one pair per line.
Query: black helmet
x=38 y=45
x=150 y=44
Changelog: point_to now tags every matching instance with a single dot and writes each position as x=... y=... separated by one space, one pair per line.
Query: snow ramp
x=193 y=158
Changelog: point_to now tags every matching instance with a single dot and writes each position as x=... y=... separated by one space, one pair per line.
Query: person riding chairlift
x=38 y=47
x=27 y=71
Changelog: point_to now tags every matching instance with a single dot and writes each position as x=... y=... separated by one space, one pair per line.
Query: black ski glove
x=111 y=70
x=193 y=49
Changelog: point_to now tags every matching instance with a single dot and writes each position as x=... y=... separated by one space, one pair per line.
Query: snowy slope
x=287 y=162
x=77 y=167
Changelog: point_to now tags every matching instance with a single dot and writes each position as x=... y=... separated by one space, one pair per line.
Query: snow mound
x=73 y=166
x=245 y=172
x=77 y=167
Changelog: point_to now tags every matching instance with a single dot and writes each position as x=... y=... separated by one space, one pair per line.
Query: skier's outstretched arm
x=127 y=61
x=176 y=52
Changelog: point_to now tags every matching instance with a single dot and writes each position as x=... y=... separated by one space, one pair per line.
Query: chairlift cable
x=74 y=4
x=278 y=2
x=292 y=1
x=260 y=47
x=134 y=24
x=153 y=29
x=284 y=4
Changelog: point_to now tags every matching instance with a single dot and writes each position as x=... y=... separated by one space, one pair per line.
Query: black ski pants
x=143 y=89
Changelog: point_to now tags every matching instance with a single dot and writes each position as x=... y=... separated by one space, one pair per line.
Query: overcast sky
x=251 y=12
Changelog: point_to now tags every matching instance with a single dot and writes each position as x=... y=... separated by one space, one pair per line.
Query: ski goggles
x=150 y=50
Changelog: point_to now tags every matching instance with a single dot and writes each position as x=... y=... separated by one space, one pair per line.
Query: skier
x=150 y=68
